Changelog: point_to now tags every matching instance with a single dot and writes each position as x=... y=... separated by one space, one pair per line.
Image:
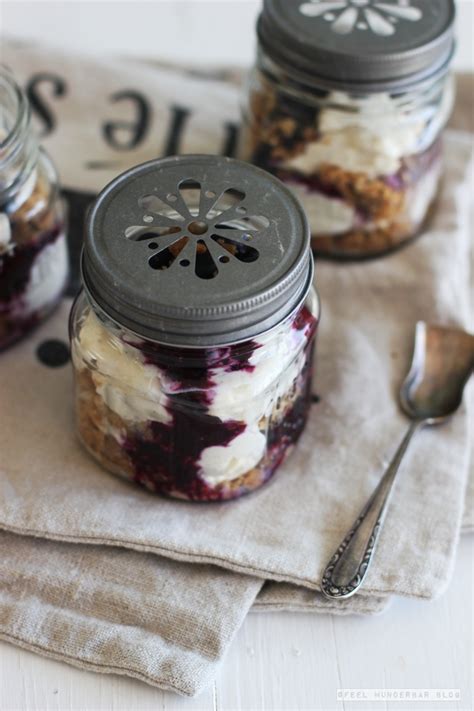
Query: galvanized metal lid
x=197 y=251
x=359 y=45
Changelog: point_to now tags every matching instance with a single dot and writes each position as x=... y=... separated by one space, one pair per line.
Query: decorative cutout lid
x=197 y=251
x=359 y=45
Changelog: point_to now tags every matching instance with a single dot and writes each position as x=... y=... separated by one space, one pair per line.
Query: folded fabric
x=123 y=612
x=290 y=598
x=113 y=589
x=288 y=530
x=120 y=611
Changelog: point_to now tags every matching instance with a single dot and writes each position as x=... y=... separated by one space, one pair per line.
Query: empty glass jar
x=33 y=252
x=346 y=104
x=192 y=342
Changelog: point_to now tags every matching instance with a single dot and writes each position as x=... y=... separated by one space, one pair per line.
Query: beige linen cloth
x=98 y=573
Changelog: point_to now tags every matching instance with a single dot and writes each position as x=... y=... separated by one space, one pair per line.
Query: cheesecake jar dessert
x=33 y=251
x=192 y=341
x=346 y=105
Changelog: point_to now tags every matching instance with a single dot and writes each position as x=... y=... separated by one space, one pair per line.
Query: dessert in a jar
x=346 y=104
x=33 y=251
x=192 y=341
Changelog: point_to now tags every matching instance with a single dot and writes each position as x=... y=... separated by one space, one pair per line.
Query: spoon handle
x=348 y=566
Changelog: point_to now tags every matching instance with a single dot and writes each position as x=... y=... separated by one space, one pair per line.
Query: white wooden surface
x=181 y=31
x=287 y=661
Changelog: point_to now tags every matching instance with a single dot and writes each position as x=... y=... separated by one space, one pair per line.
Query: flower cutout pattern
x=197 y=229
x=346 y=16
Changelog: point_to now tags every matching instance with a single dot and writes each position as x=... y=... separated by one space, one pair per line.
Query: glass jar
x=351 y=119
x=203 y=424
x=193 y=350
x=33 y=252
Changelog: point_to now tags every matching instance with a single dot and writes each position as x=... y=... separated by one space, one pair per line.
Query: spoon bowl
x=443 y=360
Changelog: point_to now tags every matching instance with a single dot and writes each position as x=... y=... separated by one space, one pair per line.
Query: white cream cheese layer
x=220 y=464
x=5 y=234
x=48 y=275
x=372 y=138
x=129 y=387
x=248 y=395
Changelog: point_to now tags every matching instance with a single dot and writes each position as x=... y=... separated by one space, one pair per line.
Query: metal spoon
x=443 y=361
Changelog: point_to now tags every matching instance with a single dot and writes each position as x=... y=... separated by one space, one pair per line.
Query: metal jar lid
x=359 y=45
x=197 y=251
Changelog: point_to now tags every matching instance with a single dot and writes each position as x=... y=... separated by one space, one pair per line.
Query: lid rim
x=395 y=85
x=289 y=44
x=209 y=339
x=204 y=312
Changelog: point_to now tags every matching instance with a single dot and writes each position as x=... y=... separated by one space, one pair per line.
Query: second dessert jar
x=192 y=341
x=346 y=104
x=33 y=250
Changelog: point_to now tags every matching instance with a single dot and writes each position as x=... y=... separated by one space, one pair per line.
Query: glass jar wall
x=366 y=168
x=203 y=424
x=33 y=252
x=346 y=104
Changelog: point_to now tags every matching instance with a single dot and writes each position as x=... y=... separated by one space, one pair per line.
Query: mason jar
x=192 y=341
x=346 y=105
x=33 y=252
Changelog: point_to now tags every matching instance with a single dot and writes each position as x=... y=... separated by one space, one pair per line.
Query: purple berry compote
x=204 y=424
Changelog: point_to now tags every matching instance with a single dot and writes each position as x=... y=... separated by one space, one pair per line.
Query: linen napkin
x=364 y=349
x=51 y=489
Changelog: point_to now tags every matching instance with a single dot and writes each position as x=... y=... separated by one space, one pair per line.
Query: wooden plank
x=32 y=683
x=284 y=662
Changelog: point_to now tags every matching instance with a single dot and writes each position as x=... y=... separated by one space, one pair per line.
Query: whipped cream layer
x=130 y=387
x=48 y=275
x=369 y=135
x=220 y=464
x=138 y=391
x=250 y=396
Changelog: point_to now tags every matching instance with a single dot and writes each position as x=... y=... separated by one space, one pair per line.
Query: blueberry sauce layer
x=15 y=267
x=167 y=458
x=412 y=169
x=166 y=454
x=190 y=371
x=17 y=317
